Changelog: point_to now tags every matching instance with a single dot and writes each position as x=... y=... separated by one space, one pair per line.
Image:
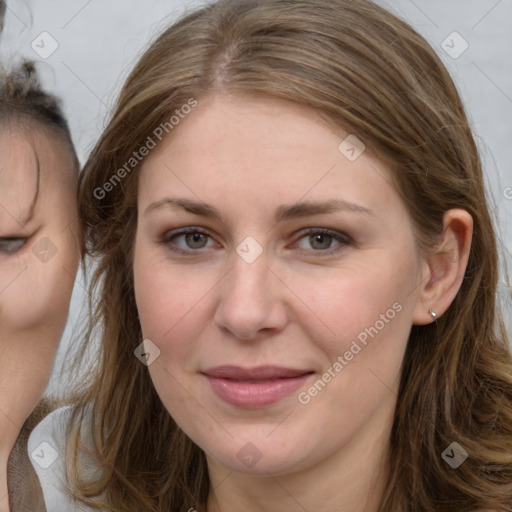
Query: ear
x=444 y=269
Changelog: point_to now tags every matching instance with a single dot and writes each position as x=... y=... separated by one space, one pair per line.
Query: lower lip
x=255 y=394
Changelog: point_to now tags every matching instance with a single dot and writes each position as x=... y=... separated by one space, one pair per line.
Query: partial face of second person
x=38 y=261
x=330 y=256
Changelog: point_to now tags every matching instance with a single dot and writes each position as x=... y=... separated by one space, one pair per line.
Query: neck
x=284 y=494
x=353 y=479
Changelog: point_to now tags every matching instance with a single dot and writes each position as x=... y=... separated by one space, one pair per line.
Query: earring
x=432 y=313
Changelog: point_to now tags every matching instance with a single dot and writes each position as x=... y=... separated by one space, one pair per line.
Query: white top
x=46 y=450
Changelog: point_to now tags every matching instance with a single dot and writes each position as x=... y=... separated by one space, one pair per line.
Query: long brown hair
x=364 y=70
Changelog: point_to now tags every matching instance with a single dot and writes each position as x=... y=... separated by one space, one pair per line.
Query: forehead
x=37 y=168
x=233 y=149
x=19 y=176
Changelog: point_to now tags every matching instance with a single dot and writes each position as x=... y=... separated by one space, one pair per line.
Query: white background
x=98 y=41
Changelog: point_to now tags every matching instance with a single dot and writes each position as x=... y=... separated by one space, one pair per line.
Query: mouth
x=255 y=387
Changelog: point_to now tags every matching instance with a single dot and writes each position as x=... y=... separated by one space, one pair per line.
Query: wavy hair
x=364 y=70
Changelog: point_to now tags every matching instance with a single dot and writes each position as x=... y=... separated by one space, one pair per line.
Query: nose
x=251 y=302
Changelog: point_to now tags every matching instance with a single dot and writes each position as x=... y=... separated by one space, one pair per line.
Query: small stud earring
x=432 y=313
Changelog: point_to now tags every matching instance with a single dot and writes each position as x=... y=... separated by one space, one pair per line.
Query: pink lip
x=254 y=387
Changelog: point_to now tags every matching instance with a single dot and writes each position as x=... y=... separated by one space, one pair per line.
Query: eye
x=323 y=240
x=11 y=245
x=185 y=240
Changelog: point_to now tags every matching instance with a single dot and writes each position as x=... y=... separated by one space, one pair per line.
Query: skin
x=291 y=307
x=34 y=293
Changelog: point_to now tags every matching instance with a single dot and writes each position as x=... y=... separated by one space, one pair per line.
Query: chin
x=260 y=456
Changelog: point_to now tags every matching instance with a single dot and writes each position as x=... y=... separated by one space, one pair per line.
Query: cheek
x=170 y=303
x=171 y=315
x=362 y=301
x=369 y=314
x=37 y=294
x=33 y=313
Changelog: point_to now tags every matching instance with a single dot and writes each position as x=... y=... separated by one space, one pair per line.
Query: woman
x=39 y=256
x=297 y=273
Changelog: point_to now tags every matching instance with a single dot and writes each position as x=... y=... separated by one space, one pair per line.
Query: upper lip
x=256 y=373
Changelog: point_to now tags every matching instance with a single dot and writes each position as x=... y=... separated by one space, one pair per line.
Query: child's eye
x=11 y=245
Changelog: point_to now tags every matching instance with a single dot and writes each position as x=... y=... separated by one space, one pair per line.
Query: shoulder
x=51 y=426
x=46 y=449
x=24 y=490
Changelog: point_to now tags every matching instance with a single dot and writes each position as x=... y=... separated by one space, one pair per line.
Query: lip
x=255 y=387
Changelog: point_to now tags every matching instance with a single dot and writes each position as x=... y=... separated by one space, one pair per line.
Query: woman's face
x=277 y=277
x=38 y=261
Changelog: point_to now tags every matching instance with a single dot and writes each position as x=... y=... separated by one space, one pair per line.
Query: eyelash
x=6 y=241
x=342 y=239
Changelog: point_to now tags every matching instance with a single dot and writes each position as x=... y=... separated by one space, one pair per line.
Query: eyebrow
x=283 y=212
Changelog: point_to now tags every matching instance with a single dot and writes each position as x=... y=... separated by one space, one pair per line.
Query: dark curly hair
x=23 y=100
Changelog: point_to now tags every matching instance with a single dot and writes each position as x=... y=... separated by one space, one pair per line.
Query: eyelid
x=6 y=241
x=169 y=235
x=342 y=238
